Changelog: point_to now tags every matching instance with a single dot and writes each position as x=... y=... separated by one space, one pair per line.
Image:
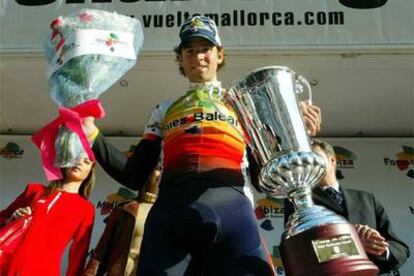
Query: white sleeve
x=154 y=125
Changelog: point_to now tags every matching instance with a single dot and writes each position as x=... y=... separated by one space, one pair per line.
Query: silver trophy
x=266 y=100
x=267 y=104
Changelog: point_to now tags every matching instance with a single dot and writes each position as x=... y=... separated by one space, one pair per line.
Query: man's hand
x=312 y=116
x=88 y=125
x=371 y=239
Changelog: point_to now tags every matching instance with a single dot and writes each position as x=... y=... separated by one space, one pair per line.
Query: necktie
x=337 y=196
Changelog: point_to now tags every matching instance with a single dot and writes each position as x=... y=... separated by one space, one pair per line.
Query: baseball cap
x=199 y=26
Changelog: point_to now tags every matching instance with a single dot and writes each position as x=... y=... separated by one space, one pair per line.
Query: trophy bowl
x=316 y=241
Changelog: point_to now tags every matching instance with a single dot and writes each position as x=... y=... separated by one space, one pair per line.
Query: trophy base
x=332 y=249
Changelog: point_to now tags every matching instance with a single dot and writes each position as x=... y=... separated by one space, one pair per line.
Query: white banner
x=244 y=24
x=382 y=166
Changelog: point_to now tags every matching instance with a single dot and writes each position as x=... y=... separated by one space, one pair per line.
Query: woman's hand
x=312 y=117
x=21 y=212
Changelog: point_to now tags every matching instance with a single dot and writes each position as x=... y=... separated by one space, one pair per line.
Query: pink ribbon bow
x=72 y=119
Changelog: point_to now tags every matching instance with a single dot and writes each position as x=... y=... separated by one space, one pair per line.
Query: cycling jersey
x=200 y=133
x=202 y=222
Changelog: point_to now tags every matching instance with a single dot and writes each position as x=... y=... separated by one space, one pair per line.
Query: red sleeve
x=80 y=245
x=32 y=192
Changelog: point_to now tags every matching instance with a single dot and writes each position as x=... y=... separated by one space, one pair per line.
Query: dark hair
x=85 y=188
x=177 y=51
x=326 y=147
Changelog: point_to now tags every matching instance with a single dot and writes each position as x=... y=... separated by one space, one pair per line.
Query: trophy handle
x=302 y=85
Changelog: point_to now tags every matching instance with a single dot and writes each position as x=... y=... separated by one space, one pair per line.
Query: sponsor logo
x=355 y=4
x=268 y=208
x=403 y=161
x=114 y=200
x=195 y=25
x=111 y=41
x=345 y=159
x=249 y=18
x=200 y=117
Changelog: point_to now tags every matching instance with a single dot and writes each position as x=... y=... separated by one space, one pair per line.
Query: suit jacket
x=363 y=208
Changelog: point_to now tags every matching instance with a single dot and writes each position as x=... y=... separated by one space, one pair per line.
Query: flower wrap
x=87 y=52
x=71 y=119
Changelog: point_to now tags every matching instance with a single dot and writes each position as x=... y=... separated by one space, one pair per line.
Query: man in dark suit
x=360 y=208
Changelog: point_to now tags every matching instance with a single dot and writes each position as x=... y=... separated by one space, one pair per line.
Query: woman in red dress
x=61 y=214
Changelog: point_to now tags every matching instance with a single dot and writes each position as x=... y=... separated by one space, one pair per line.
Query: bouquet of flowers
x=87 y=52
